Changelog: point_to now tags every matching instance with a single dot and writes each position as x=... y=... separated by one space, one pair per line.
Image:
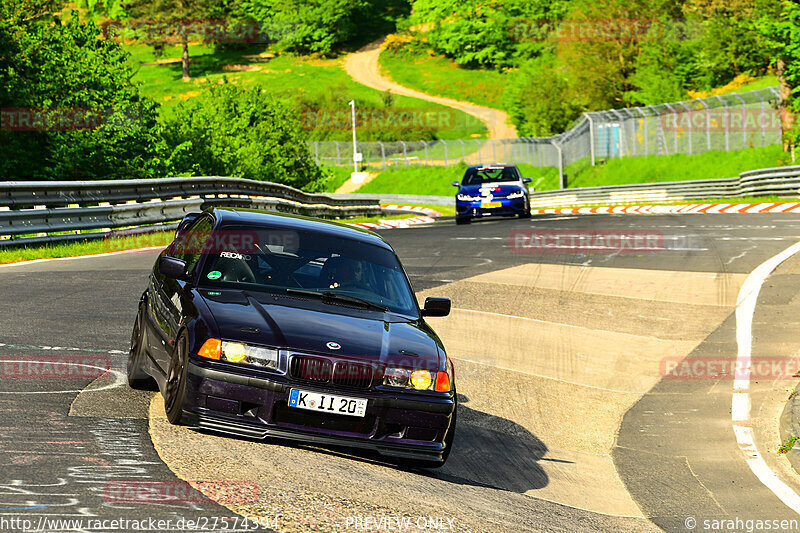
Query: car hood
x=495 y=189
x=309 y=325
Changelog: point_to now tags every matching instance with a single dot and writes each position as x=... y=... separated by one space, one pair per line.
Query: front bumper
x=404 y=426
x=479 y=209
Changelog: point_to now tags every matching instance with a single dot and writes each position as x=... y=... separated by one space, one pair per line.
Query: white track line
x=106 y=254
x=740 y=404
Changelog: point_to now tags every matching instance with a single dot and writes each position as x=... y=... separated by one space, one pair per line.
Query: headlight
x=417 y=379
x=517 y=194
x=237 y=352
x=467 y=198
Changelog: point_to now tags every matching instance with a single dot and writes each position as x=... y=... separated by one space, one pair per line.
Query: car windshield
x=295 y=262
x=477 y=176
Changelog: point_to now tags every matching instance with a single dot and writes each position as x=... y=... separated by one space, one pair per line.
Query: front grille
x=312 y=369
x=341 y=374
x=352 y=375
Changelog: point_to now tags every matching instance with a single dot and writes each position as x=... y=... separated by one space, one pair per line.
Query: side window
x=193 y=240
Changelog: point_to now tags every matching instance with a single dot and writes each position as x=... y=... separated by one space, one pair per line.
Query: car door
x=169 y=294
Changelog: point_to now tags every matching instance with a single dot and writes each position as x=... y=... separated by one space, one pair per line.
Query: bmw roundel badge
x=333 y=345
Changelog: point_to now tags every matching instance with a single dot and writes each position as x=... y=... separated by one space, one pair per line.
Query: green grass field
x=430 y=180
x=300 y=82
x=440 y=76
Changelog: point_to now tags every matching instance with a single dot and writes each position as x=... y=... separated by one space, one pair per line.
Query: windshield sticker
x=232 y=255
x=214 y=274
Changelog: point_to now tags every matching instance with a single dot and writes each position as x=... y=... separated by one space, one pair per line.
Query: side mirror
x=527 y=180
x=172 y=267
x=436 y=307
x=456 y=184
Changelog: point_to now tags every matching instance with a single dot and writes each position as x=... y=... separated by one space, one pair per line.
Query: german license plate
x=327 y=403
x=491 y=204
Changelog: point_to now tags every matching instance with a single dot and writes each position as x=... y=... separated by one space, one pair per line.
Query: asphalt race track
x=566 y=423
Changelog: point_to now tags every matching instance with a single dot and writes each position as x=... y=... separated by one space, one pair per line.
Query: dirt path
x=363 y=67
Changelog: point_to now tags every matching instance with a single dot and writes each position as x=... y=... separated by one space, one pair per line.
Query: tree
x=782 y=35
x=157 y=22
x=69 y=108
x=324 y=26
x=231 y=131
x=599 y=43
x=540 y=99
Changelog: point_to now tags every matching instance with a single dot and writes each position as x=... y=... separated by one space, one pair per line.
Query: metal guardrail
x=40 y=212
x=781 y=181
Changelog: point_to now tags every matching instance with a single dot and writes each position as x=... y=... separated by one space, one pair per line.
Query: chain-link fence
x=725 y=122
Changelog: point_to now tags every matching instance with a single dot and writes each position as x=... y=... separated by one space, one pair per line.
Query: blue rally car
x=487 y=190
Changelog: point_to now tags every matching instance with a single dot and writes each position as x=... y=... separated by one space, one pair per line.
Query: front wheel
x=137 y=377
x=175 y=388
x=527 y=212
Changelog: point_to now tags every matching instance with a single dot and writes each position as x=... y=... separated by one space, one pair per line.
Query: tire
x=462 y=220
x=137 y=377
x=527 y=213
x=449 y=439
x=175 y=385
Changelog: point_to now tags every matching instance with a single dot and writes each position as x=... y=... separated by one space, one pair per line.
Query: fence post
x=727 y=133
x=425 y=144
x=761 y=121
x=383 y=155
x=591 y=135
x=561 y=184
x=316 y=151
x=463 y=151
x=644 y=124
x=445 y=152
x=405 y=157
x=689 y=117
x=675 y=121
x=494 y=150
x=744 y=119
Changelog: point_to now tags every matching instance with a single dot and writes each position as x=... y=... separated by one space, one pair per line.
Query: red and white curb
x=781 y=207
x=426 y=217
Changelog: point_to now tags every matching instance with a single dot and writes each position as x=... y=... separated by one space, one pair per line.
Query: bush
x=231 y=131
x=540 y=99
x=64 y=71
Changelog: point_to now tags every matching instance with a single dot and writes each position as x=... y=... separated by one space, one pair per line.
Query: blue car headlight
x=516 y=194
x=467 y=198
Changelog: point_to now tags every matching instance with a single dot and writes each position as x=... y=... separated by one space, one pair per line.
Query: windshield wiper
x=329 y=295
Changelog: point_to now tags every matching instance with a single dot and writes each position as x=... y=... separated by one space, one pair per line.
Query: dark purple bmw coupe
x=269 y=325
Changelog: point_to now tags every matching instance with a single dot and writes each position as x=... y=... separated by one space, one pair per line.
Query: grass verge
x=299 y=81
x=439 y=76
x=436 y=180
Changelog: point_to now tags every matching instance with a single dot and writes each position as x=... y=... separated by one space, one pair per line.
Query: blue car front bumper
x=495 y=207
